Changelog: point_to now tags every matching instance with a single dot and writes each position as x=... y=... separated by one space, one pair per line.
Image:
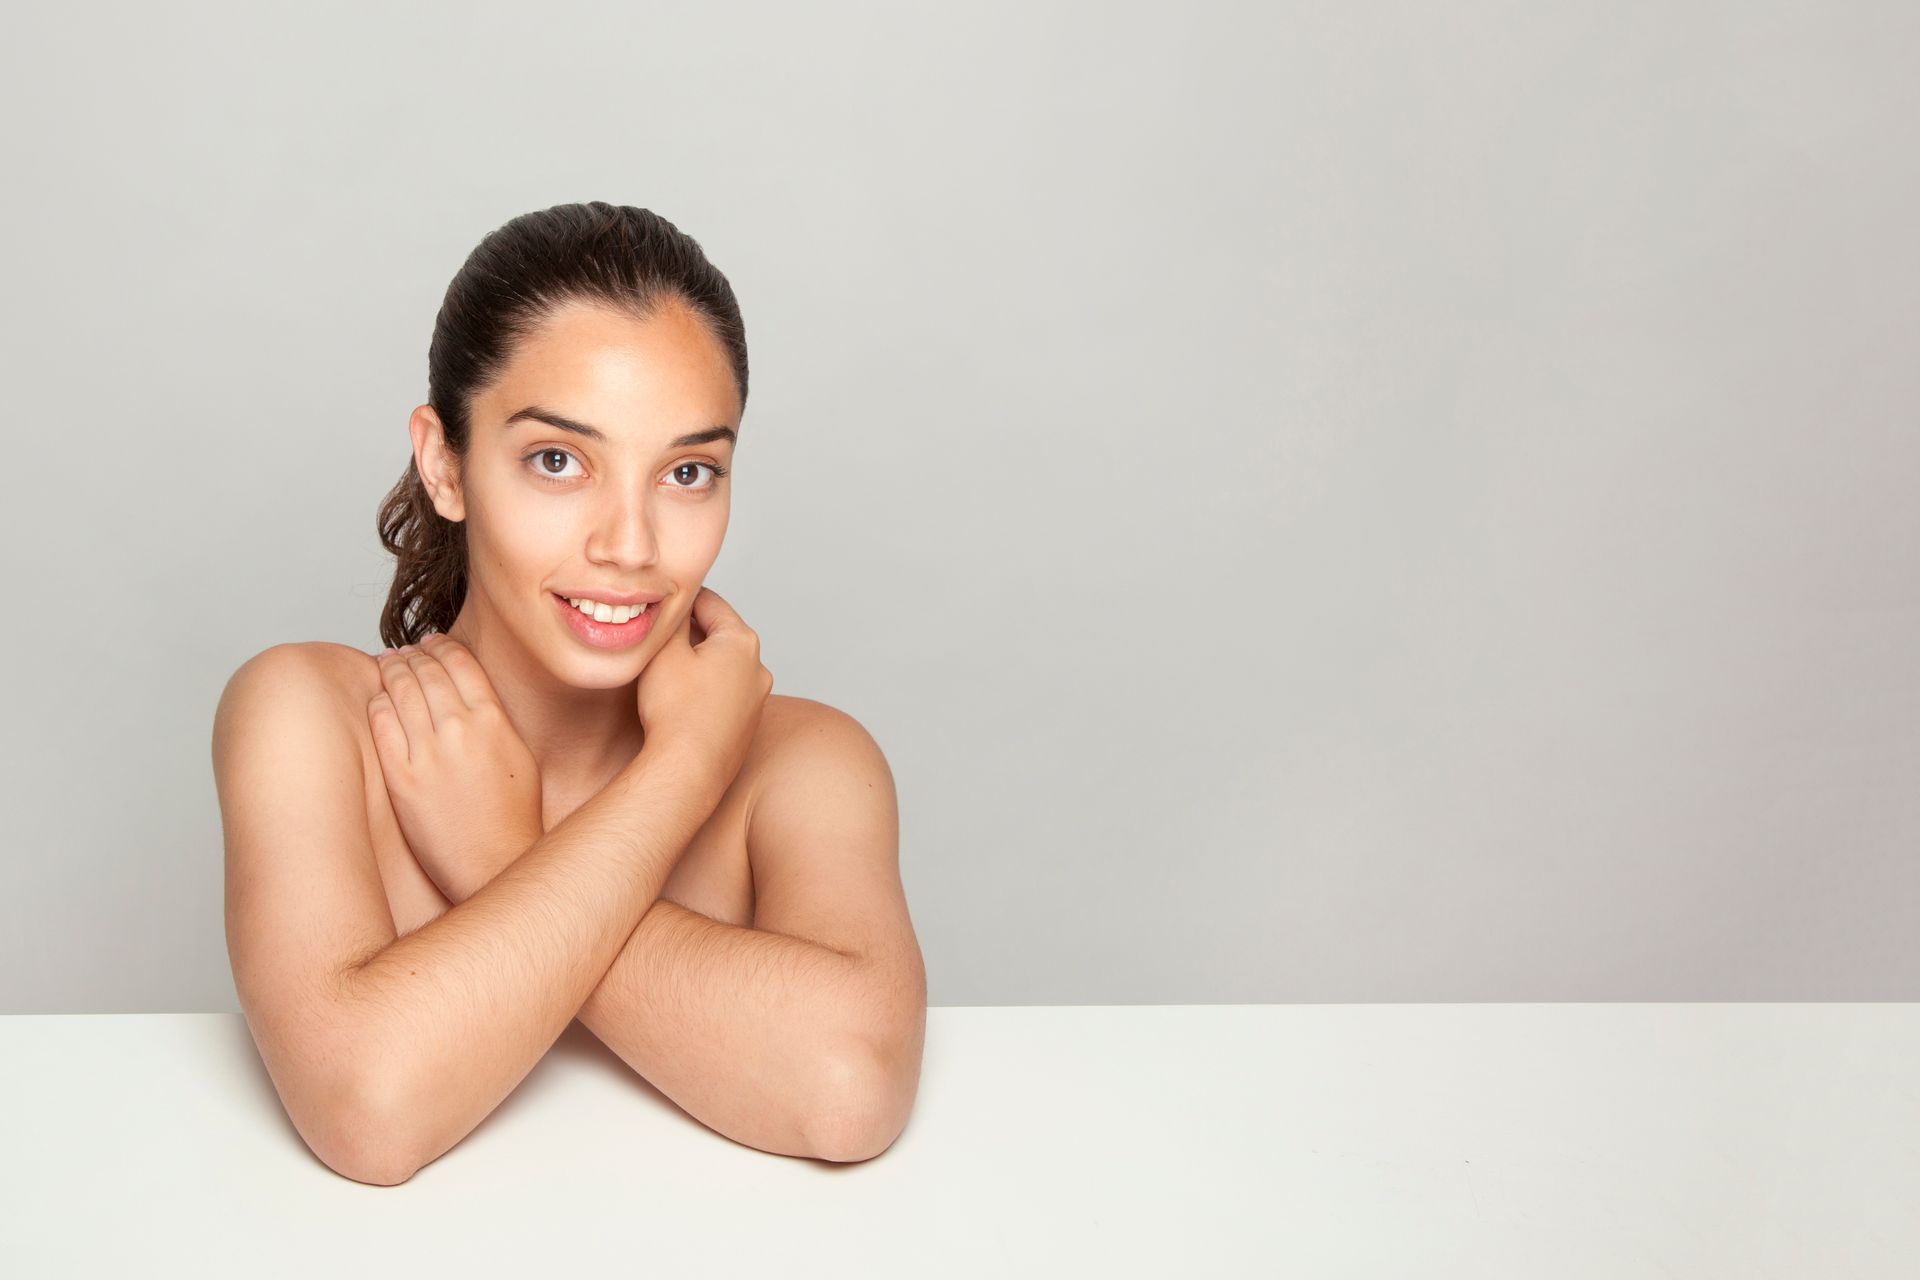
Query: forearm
x=469 y=1002
x=742 y=1027
x=736 y=1025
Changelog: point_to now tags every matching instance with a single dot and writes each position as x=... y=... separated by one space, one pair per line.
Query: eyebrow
x=537 y=414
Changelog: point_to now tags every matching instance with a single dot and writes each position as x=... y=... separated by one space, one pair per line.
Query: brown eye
x=695 y=467
x=545 y=460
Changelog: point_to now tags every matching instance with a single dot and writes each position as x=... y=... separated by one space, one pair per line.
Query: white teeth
x=615 y=613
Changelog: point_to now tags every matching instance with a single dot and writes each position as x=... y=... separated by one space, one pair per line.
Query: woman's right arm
x=387 y=1051
x=467 y=1004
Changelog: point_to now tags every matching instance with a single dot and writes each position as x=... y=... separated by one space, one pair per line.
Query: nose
x=622 y=537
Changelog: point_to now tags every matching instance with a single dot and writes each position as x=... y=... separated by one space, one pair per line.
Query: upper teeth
x=607 y=612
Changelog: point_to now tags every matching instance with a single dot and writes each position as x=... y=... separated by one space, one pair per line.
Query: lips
x=606 y=635
x=592 y=601
x=599 y=596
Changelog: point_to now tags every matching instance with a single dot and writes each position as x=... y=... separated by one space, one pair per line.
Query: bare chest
x=713 y=876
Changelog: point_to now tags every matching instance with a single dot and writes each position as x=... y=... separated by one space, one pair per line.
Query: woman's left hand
x=465 y=787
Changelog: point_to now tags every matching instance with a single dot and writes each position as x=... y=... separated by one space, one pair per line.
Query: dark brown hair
x=516 y=277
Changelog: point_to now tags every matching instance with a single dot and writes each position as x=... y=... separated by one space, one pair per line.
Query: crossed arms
x=802 y=1034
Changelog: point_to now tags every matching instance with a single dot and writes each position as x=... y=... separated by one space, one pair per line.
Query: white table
x=1532 y=1140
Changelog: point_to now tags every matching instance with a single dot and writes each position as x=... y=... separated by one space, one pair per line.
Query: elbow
x=852 y=1148
x=371 y=1164
x=369 y=1141
x=860 y=1110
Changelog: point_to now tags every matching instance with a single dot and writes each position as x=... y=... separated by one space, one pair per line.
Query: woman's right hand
x=706 y=699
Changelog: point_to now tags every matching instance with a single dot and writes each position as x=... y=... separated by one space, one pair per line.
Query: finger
x=468 y=676
x=683 y=631
x=443 y=699
x=409 y=699
x=389 y=739
x=712 y=612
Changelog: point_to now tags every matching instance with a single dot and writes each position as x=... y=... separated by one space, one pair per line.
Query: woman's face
x=631 y=508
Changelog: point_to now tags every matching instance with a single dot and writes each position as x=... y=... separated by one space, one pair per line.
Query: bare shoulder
x=299 y=678
x=803 y=742
x=790 y=723
x=337 y=664
x=312 y=667
x=353 y=672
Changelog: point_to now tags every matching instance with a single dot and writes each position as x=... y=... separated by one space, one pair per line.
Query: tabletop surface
x=1570 y=1140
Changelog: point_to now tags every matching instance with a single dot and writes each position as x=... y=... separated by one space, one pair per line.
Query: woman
x=566 y=785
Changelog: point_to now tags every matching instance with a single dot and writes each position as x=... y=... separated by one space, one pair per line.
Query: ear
x=439 y=469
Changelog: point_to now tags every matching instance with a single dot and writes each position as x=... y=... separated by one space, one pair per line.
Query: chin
x=598 y=671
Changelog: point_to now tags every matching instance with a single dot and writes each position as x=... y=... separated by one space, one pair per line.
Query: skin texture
x=802 y=1031
x=464 y=788
x=773 y=988
x=629 y=514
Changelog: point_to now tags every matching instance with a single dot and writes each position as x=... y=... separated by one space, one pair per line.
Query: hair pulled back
x=516 y=277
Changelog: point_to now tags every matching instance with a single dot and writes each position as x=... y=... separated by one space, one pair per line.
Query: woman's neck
x=579 y=737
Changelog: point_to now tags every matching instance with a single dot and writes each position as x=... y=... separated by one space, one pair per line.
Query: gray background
x=1336 y=503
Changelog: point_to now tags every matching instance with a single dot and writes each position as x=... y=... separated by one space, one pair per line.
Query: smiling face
x=595 y=466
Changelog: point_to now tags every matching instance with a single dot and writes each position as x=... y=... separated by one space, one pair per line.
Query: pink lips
x=606 y=635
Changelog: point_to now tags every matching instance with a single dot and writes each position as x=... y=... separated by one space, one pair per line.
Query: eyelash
x=716 y=468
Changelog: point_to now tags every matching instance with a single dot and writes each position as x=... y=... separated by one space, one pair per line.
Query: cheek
x=694 y=544
x=524 y=515
x=711 y=527
x=515 y=539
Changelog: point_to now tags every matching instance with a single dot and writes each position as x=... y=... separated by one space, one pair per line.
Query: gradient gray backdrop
x=1318 y=503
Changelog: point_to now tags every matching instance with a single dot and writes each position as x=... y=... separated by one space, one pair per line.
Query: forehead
x=609 y=367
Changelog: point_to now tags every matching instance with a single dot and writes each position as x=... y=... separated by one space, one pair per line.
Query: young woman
x=566 y=788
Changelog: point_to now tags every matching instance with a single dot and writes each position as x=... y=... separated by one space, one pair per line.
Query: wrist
x=684 y=760
x=496 y=856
